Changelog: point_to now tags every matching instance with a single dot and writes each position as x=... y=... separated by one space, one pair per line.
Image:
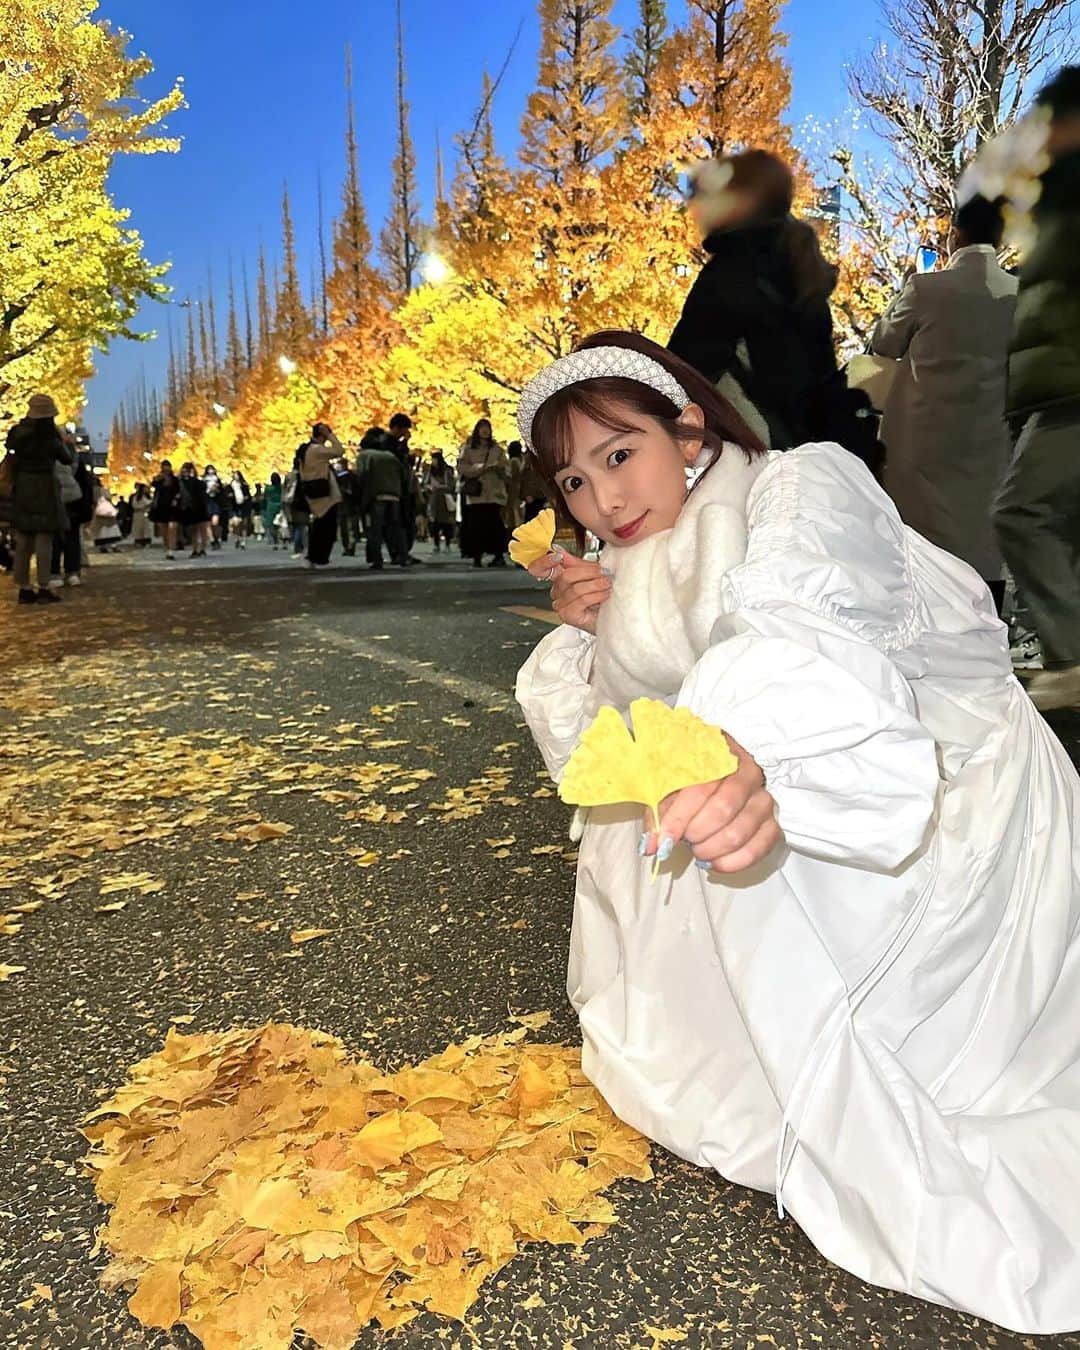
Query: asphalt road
x=230 y=691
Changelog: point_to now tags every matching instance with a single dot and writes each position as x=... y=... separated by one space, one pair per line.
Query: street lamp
x=434 y=270
x=220 y=409
x=286 y=366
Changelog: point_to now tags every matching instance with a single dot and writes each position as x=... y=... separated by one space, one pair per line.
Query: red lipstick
x=628 y=531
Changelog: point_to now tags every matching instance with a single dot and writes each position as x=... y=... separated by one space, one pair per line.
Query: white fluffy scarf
x=666 y=593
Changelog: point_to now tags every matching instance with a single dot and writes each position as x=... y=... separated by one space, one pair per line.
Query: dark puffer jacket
x=744 y=319
x=37 y=445
x=1044 y=359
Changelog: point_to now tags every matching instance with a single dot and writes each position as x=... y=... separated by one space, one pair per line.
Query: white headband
x=595 y=363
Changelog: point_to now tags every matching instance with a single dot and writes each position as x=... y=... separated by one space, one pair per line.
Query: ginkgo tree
x=72 y=271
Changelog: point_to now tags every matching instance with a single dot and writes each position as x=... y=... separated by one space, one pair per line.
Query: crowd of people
x=379 y=495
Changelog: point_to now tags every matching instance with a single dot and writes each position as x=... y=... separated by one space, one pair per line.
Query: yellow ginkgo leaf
x=671 y=748
x=532 y=541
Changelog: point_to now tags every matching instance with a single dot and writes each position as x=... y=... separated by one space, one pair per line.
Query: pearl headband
x=595 y=363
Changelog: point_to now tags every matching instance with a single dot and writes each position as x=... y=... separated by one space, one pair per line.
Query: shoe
x=74 y=579
x=477 y=562
x=194 y=553
x=375 y=567
x=56 y=583
x=169 y=557
x=1027 y=653
x=47 y=597
x=295 y=556
x=498 y=561
x=1051 y=689
x=27 y=596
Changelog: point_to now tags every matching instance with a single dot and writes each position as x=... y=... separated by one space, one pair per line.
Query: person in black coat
x=37 y=509
x=194 y=508
x=757 y=321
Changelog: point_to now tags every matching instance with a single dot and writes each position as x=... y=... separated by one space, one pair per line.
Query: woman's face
x=626 y=486
x=483 y=431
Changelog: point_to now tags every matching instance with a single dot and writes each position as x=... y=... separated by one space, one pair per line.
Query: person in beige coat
x=946 y=439
x=483 y=473
x=319 y=484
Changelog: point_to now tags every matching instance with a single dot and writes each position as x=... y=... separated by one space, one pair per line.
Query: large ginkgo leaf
x=531 y=541
x=671 y=749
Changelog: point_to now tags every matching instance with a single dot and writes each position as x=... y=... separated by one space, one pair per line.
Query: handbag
x=874 y=375
x=70 y=491
x=104 y=510
x=7 y=476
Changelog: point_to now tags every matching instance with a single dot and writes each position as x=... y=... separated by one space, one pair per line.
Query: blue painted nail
x=666 y=849
x=703 y=863
x=643 y=844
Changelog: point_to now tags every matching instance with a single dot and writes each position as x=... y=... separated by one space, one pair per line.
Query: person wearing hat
x=37 y=509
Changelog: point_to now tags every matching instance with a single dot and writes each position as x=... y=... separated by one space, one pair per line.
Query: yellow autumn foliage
x=72 y=271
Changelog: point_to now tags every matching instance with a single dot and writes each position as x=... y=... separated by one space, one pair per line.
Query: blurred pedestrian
x=440 y=497
x=350 y=529
x=272 y=511
x=142 y=532
x=37 y=511
x=194 y=509
x=1037 y=513
x=295 y=508
x=756 y=322
x=380 y=473
x=483 y=471
x=217 y=496
x=165 y=509
x=401 y=430
x=533 y=489
x=320 y=485
x=944 y=430
x=105 y=527
x=67 y=545
x=239 y=495
x=512 y=512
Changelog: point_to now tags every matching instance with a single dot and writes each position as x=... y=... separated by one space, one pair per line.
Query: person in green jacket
x=382 y=485
x=1037 y=513
x=271 y=505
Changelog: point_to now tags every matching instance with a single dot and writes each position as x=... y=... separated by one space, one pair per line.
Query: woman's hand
x=730 y=825
x=578 y=588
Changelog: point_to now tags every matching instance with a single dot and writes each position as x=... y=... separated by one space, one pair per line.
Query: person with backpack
x=757 y=323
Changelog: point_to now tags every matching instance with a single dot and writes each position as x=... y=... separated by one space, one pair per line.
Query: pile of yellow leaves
x=261 y=1181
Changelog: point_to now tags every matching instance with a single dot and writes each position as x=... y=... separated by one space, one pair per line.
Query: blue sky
x=265 y=88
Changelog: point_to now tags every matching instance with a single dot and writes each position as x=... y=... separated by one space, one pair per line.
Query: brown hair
x=597 y=398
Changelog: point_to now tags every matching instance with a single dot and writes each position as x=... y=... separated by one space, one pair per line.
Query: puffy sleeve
x=853 y=772
x=554 y=692
x=799 y=669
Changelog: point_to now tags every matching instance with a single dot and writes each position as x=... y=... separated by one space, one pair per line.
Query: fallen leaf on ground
x=307 y=934
x=262 y=1182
